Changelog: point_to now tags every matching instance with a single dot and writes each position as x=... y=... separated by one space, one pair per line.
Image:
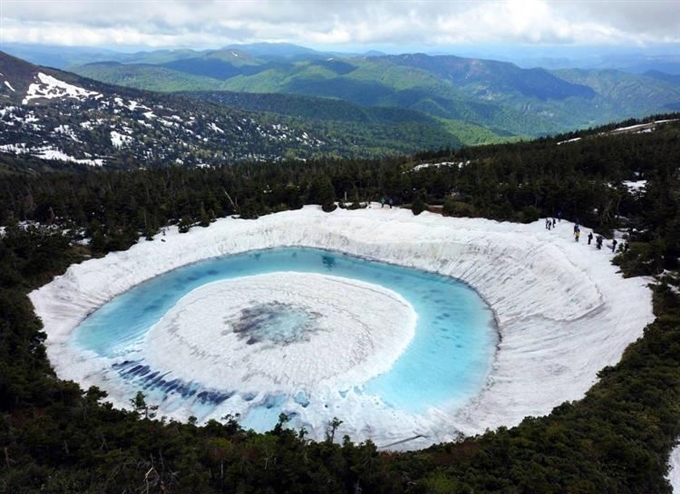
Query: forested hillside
x=59 y=438
x=507 y=100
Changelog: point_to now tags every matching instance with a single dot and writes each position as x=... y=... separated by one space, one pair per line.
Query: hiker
x=577 y=235
x=390 y=201
x=614 y=245
x=553 y=222
x=598 y=241
x=382 y=202
x=590 y=237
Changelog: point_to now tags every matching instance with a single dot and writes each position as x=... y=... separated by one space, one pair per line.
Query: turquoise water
x=448 y=359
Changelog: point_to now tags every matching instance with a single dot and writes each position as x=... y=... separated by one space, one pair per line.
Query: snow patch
x=119 y=140
x=8 y=110
x=18 y=148
x=47 y=153
x=55 y=154
x=50 y=87
x=441 y=164
x=67 y=131
x=643 y=127
x=575 y=139
x=635 y=186
x=215 y=128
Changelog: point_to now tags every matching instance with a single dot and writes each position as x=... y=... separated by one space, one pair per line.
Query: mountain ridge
x=500 y=96
x=631 y=60
x=52 y=114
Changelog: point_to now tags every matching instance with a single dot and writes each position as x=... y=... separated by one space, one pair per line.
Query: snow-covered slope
x=49 y=87
x=562 y=309
x=108 y=125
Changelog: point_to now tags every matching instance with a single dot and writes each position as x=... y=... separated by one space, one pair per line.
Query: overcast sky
x=394 y=26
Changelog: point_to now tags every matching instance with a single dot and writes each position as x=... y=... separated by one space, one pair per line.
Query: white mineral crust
x=563 y=311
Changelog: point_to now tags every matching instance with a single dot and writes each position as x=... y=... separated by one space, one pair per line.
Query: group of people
x=550 y=223
x=599 y=239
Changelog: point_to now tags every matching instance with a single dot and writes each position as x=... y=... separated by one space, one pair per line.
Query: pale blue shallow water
x=448 y=359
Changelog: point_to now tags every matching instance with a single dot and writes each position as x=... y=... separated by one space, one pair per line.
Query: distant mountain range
x=498 y=96
x=273 y=102
x=634 y=60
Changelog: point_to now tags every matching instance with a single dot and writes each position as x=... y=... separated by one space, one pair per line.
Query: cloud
x=212 y=23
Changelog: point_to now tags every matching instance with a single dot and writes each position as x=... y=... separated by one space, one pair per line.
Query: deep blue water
x=448 y=359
